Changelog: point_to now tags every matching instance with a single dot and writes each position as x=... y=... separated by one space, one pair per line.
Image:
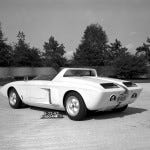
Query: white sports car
x=75 y=90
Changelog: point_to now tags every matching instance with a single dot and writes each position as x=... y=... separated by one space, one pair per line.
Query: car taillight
x=134 y=95
x=113 y=98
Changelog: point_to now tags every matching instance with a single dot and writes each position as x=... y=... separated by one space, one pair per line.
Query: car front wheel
x=14 y=99
x=75 y=106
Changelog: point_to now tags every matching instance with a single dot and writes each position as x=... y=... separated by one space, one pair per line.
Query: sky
x=66 y=20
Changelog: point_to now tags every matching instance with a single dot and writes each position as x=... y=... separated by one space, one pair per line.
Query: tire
x=14 y=99
x=75 y=106
x=120 y=109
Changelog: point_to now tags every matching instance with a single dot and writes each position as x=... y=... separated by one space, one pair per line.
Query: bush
x=6 y=80
x=130 y=66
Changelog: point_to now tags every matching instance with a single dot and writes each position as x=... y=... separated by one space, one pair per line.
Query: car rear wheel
x=75 y=106
x=120 y=109
x=14 y=99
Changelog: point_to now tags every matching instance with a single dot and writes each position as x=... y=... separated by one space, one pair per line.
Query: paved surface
x=129 y=130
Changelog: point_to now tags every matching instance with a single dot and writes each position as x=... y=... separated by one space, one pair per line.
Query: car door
x=39 y=92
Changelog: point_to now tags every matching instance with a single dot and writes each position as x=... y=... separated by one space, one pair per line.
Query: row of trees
x=94 y=50
x=22 y=54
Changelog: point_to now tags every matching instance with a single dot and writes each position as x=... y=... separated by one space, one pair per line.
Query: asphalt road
x=23 y=129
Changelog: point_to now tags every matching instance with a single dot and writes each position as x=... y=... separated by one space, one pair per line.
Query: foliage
x=24 y=55
x=130 y=66
x=5 y=51
x=54 y=53
x=144 y=50
x=34 y=57
x=116 y=50
x=92 y=49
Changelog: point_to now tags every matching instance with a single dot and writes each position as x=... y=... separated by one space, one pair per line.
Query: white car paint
x=50 y=94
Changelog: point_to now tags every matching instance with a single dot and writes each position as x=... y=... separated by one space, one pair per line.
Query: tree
x=116 y=50
x=144 y=50
x=54 y=53
x=92 y=50
x=130 y=66
x=24 y=55
x=5 y=51
x=34 y=57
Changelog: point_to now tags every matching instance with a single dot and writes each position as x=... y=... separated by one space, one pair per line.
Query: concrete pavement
x=129 y=130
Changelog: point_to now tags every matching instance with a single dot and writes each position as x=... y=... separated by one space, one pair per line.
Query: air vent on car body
x=129 y=84
x=109 y=85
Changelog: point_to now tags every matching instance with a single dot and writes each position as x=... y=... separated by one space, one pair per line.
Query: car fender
x=18 y=87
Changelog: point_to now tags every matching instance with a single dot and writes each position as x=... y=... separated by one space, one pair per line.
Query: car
x=74 y=90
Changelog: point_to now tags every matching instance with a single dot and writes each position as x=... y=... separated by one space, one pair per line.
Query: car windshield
x=79 y=73
x=46 y=77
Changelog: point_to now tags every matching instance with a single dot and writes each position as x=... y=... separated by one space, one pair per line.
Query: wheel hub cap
x=73 y=106
x=12 y=98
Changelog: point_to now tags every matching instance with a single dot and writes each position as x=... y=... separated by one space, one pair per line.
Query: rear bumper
x=101 y=101
x=131 y=92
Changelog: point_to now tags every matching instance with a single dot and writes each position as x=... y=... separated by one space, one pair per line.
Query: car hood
x=5 y=87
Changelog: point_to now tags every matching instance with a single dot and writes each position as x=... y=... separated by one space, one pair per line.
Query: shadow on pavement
x=111 y=114
x=99 y=115
x=45 y=109
x=49 y=113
